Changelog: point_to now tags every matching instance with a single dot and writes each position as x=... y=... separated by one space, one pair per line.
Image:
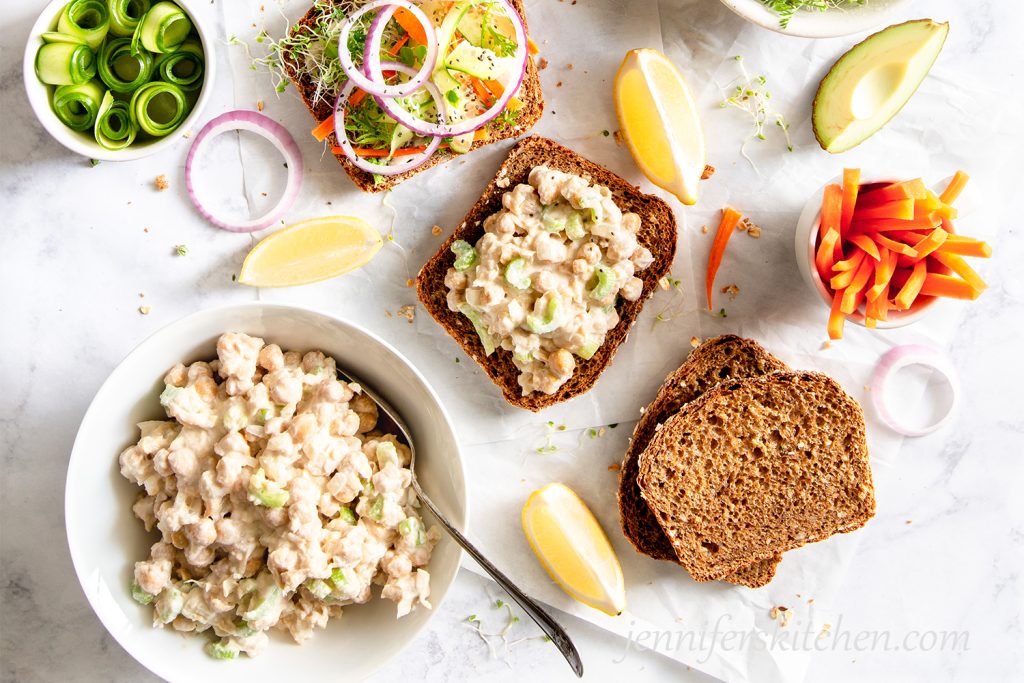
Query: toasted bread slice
x=721 y=359
x=657 y=233
x=525 y=118
x=757 y=467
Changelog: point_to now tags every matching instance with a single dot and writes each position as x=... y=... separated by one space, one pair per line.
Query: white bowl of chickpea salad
x=323 y=546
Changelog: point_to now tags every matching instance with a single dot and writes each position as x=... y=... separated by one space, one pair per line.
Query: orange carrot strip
x=851 y=185
x=930 y=243
x=836 y=319
x=407 y=21
x=965 y=246
x=496 y=88
x=824 y=259
x=730 y=219
x=908 y=293
x=382 y=153
x=532 y=46
x=323 y=129
x=357 y=97
x=868 y=245
x=931 y=220
x=845 y=277
x=831 y=209
x=955 y=187
x=481 y=134
x=481 y=90
x=898 y=247
x=901 y=210
x=398 y=46
x=948 y=286
x=883 y=273
x=908 y=189
x=854 y=294
x=961 y=268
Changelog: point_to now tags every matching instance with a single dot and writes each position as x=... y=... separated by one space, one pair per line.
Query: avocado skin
x=818 y=103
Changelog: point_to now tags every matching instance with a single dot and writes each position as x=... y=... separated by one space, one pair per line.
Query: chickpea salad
x=276 y=499
x=544 y=279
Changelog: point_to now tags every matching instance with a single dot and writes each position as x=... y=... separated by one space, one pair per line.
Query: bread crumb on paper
x=781 y=614
x=161 y=183
x=704 y=229
x=695 y=341
x=732 y=290
x=410 y=282
x=144 y=310
x=543 y=63
x=408 y=312
x=259 y=105
x=709 y=171
x=825 y=628
x=614 y=467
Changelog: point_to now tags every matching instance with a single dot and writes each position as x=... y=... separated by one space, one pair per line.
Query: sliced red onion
x=266 y=128
x=379 y=88
x=407 y=164
x=426 y=128
x=897 y=359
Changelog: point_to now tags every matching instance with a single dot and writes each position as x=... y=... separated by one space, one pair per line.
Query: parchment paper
x=950 y=123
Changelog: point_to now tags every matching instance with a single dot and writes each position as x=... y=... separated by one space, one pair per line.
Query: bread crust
x=757 y=467
x=657 y=233
x=529 y=93
x=722 y=358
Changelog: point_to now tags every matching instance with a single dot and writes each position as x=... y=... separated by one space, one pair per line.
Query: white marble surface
x=78 y=254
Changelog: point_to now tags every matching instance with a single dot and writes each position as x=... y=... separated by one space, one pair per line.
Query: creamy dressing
x=544 y=279
x=276 y=500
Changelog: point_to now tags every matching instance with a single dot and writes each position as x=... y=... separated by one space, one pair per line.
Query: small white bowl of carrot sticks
x=881 y=252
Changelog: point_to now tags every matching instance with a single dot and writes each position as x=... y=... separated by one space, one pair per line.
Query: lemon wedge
x=659 y=122
x=310 y=251
x=573 y=549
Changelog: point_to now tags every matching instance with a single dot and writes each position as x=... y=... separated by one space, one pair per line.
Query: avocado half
x=868 y=85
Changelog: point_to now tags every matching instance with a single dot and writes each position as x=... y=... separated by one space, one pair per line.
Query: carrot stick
x=908 y=293
x=382 y=153
x=883 y=274
x=398 y=46
x=961 y=268
x=868 y=245
x=930 y=243
x=730 y=219
x=851 y=263
x=955 y=187
x=485 y=95
x=407 y=21
x=898 y=247
x=928 y=222
x=901 y=210
x=831 y=209
x=531 y=46
x=357 y=97
x=907 y=189
x=824 y=259
x=965 y=246
x=845 y=277
x=851 y=185
x=323 y=129
x=854 y=294
x=948 y=286
x=836 y=319
x=496 y=88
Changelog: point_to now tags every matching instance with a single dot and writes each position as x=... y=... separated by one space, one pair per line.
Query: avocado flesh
x=868 y=85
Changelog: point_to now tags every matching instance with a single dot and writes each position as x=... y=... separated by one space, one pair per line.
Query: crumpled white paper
x=583 y=44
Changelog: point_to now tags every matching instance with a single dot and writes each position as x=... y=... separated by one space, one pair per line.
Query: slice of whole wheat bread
x=657 y=233
x=757 y=467
x=526 y=118
x=723 y=358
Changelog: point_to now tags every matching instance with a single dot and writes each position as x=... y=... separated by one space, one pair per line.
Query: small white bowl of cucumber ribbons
x=116 y=80
x=817 y=18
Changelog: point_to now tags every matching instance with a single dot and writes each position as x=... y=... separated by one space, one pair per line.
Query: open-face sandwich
x=414 y=84
x=546 y=274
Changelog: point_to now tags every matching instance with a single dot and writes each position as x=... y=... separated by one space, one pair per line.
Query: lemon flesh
x=310 y=251
x=573 y=549
x=659 y=122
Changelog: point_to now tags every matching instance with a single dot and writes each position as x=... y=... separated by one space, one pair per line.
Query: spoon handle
x=544 y=620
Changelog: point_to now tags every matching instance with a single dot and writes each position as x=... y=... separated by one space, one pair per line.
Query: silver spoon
x=544 y=620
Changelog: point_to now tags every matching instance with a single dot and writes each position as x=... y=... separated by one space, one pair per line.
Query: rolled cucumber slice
x=65 y=63
x=163 y=29
x=85 y=19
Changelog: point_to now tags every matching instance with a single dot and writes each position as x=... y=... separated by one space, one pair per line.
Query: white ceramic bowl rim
x=80 y=142
x=89 y=576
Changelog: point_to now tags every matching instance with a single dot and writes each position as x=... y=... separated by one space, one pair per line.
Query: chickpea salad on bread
x=543 y=280
x=277 y=500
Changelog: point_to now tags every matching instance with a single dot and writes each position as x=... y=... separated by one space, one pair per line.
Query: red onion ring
x=897 y=359
x=380 y=169
x=378 y=88
x=271 y=131
x=425 y=128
